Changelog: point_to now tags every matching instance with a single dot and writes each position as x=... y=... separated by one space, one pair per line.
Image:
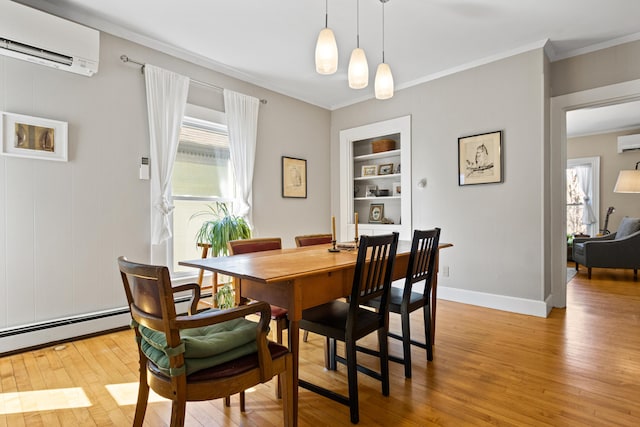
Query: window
x=576 y=196
x=202 y=175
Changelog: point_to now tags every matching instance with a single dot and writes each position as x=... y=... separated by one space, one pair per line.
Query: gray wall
x=497 y=229
x=62 y=225
x=605 y=146
x=603 y=67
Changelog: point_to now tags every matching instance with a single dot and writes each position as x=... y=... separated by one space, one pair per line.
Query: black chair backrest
x=374 y=269
x=422 y=260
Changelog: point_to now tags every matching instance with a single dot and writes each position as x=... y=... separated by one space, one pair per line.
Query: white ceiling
x=271 y=43
x=609 y=118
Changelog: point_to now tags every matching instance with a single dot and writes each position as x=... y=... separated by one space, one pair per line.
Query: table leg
x=294 y=347
x=434 y=298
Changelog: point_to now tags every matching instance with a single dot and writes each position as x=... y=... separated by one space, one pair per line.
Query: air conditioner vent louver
x=38 y=37
x=628 y=143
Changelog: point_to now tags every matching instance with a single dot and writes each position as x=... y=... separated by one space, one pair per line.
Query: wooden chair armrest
x=195 y=289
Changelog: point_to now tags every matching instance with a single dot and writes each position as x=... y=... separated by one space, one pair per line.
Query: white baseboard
x=497 y=302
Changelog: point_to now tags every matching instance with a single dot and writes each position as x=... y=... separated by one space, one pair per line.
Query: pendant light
x=358 y=66
x=326 y=48
x=384 y=78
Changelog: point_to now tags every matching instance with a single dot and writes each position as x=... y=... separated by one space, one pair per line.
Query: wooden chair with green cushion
x=349 y=321
x=199 y=356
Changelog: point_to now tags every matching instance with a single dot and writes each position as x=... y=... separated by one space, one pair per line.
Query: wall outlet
x=445 y=271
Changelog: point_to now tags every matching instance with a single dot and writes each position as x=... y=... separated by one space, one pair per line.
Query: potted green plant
x=217 y=232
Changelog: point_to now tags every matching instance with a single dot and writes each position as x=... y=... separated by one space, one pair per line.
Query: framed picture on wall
x=33 y=137
x=480 y=159
x=294 y=177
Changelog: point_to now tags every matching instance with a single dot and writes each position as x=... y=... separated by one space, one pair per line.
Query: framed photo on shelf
x=376 y=213
x=33 y=137
x=397 y=188
x=480 y=159
x=369 y=170
x=385 y=169
x=294 y=177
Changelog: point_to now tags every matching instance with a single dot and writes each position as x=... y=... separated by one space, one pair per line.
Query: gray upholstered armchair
x=618 y=250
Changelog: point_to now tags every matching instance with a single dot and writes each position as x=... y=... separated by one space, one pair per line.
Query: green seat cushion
x=203 y=347
x=627 y=227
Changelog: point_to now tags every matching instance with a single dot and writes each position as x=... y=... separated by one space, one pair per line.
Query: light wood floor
x=580 y=366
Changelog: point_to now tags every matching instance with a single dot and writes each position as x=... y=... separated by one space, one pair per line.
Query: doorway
x=560 y=105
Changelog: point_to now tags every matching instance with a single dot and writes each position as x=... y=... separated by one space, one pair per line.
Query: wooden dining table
x=300 y=278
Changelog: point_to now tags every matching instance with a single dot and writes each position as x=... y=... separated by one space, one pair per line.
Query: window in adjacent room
x=583 y=174
x=202 y=175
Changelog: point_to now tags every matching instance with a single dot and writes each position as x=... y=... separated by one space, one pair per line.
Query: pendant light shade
x=358 y=69
x=358 y=66
x=326 y=48
x=384 y=78
x=384 y=82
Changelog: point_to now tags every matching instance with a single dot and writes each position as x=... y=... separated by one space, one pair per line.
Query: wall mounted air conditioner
x=45 y=39
x=628 y=143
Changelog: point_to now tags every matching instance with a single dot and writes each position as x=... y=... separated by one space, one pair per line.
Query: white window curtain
x=584 y=179
x=166 y=102
x=242 y=122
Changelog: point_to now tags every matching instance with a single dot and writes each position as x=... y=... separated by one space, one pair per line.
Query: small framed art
x=33 y=137
x=385 y=169
x=294 y=177
x=480 y=159
x=369 y=170
x=376 y=213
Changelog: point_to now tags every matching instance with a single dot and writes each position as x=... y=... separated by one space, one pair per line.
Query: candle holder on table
x=333 y=247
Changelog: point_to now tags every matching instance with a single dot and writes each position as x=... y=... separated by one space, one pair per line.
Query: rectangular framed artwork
x=369 y=170
x=376 y=213
x=33 y=137
x=480 y=159
x=385 y=169
x=294 y=177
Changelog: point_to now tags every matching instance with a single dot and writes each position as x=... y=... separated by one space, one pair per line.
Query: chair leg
x=281 y=324
x=227 y=401
x=589 y=272
x=178 y=409
x=286 y=383
x=305 y=336
x=406 y=342
x=383 y=342
x=352 y=375
x=143 y=397
x=331 y=354
x=426 y=312
x=635 y=274
x=577 y=265
x=242 y=408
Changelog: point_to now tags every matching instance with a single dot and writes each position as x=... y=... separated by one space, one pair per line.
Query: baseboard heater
x=68 y=328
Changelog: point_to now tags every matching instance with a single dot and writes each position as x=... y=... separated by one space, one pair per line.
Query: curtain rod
x=125 y=58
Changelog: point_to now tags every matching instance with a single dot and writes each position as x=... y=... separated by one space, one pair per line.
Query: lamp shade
x=326 y=52
x=384 y=82
x=358 y=69
x=628 y=182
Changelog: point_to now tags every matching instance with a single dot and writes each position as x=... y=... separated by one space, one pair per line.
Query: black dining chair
x=404 y=301
x=349 y=321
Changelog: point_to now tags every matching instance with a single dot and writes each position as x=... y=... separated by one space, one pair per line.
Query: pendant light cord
x=358 y=23
x=383 y=2
x=326 y=13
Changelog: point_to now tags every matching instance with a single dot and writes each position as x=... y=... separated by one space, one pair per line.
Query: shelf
x=377 y=198
x=366 y=178
x=382 y=155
